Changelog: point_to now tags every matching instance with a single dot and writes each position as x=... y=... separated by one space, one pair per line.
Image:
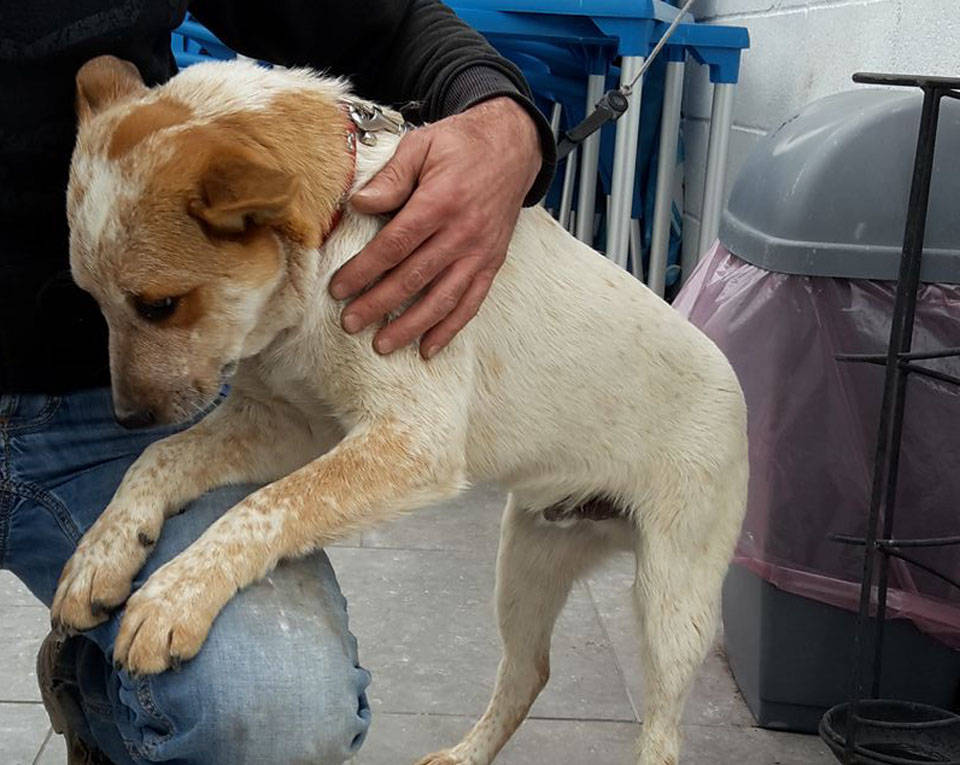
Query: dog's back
x=612 y=384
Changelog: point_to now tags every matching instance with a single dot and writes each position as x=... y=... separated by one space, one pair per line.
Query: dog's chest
x=300 y=377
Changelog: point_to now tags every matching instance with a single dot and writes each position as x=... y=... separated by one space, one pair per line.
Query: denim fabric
x=277 y=680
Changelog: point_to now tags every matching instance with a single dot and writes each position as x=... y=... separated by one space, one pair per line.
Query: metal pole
x=566 y=197
x=586 y=201
x=666 y=171
x=689 y=255
x=720 y=120
x=887 y=456
x=636 y=249
x=555 y=129
x=913 y=251
x=624 y=166
x=555 y=120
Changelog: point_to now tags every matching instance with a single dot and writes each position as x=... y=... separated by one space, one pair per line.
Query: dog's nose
x=136 y=418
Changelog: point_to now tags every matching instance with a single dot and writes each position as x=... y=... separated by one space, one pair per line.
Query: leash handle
x=608 y=109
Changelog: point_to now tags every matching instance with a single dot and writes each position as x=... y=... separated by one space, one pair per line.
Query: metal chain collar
x=370 y=119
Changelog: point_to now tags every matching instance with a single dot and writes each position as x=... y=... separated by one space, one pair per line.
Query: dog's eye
x=155 y=310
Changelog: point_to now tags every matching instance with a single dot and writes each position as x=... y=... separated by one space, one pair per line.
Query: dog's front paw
x=98 y=576
x=166 y=621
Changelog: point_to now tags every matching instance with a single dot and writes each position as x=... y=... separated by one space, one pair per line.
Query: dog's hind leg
x=536 y=565
x=683 y=550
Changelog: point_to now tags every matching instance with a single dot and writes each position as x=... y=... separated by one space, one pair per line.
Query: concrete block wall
x=802 y=50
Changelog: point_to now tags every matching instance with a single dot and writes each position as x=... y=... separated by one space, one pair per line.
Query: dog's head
x=177 y=228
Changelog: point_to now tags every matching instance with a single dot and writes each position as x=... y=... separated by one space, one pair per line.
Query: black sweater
x=52 y=337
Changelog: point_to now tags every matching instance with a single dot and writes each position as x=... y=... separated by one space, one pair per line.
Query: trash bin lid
x=826 y=194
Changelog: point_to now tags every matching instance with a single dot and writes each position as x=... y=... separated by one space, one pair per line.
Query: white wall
x=802 y=50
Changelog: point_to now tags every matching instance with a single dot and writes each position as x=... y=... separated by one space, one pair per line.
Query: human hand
x=459 y=185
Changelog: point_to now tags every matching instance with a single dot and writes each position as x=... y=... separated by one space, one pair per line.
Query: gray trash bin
x=811 y=237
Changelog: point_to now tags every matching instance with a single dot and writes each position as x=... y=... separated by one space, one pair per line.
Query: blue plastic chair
x=192 y=43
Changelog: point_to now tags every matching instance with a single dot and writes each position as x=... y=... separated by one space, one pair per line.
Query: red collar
x=352 y=139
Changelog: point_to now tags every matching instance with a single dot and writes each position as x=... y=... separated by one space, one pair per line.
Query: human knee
x=289 y=720
x=276 y=681
x=266 y=706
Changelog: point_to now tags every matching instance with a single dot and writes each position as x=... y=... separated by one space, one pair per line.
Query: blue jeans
x=277 y=680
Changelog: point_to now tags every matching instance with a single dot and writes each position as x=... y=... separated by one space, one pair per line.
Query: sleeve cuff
x=475 y=84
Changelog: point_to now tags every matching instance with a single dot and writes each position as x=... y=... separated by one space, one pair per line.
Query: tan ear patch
x=103 y=81
x=145 y=121
x=238 y=190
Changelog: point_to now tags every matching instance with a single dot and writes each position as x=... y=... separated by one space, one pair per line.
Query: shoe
x=55 y=697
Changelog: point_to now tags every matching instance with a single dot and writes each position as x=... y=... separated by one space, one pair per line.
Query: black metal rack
x=900 y=733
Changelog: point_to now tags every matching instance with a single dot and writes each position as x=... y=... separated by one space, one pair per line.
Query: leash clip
x=371 y=119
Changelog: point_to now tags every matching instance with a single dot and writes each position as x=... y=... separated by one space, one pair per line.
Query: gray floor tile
x=399 y=739
x=354 y=540
x=403 y=739
x=23 y=728
x=734 y=745
x=54 y=751
x=469 y=522
x=22 y=629
x=14 y=593
x=714 y=700
x=426 y=630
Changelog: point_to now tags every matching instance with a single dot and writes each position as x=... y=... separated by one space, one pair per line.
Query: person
x=278 y=679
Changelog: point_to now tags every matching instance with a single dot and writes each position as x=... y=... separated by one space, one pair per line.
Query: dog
x=207 y=216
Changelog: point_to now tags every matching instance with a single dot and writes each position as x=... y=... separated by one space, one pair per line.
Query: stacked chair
x=192 y=43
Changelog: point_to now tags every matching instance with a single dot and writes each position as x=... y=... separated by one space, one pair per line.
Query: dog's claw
x=145 y=539
x=99 y=608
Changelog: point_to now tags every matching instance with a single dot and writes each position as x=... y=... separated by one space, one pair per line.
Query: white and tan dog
x=200 y=214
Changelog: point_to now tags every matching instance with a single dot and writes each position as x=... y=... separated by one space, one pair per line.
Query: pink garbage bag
x=813 y=425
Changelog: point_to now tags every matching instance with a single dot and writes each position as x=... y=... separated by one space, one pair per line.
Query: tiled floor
x=421 y=606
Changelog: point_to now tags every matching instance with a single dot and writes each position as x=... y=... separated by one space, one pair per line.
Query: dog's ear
x=103 y=81
x=238 y=189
